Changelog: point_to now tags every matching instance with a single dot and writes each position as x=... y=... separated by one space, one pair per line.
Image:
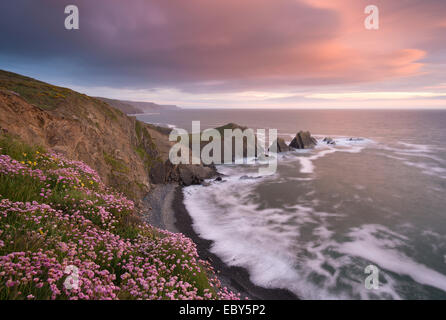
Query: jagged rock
x=195 y=174
x=281 y=145
x=246 y=142
x=329 y=140
x=184 y=174
x=303 y=140
x=218 y=179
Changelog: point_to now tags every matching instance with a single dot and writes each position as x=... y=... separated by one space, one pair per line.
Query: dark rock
x=281 y=145
x=355 y=139
x=195 y=174
x=218 y=179
x=158 y=172
x=246 y=142
x=184 y=174
x=329 y=140
x=303 y=140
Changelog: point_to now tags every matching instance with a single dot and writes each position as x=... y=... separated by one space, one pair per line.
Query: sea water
x=327 y=213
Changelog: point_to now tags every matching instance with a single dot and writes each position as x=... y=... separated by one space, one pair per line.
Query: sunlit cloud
x=281 y=53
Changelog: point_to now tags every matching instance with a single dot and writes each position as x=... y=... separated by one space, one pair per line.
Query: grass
x=43 y=95
x=144 y=140
x=117 y=165
x=66 y=205
x=50 y=97
x=18 y=150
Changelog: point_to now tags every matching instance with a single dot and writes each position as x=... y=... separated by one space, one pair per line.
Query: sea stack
x=281 y=145
x=303 y=140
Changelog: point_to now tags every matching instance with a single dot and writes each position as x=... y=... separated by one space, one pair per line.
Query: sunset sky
x=234 y=53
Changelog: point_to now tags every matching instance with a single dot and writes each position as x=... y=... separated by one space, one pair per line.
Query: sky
x=234 y=53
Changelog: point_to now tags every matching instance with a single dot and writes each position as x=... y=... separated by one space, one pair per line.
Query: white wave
x=428 y=168
x=322 y=149
x=291 y=246
x=383 y=251
x=420 y=156
x=413 y=147
x=271 y=245
x=267 y=242
x=415 y=150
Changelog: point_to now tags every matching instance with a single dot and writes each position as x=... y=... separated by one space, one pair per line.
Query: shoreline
x=235 y=278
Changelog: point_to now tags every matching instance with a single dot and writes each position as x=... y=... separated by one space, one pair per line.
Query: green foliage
x=41 y=94
x=117 y=165
x=18 y=150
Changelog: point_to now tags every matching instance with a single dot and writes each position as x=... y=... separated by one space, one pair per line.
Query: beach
x=168 y=212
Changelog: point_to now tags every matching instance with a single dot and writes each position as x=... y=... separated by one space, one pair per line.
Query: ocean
x=327 y=213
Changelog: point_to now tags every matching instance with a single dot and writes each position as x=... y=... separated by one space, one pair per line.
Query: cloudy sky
x=234 y=53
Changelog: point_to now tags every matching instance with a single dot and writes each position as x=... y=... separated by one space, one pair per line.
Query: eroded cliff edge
x=129 y=155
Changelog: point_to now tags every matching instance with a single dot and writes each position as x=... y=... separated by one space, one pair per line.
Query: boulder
x=184 y=174
x=329 y=140
x=303 y=140
x=281 y=145
x=195 y=174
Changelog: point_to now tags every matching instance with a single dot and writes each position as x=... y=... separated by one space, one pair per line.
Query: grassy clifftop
x=65 y=235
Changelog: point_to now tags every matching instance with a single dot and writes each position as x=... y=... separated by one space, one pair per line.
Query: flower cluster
x=56 y=215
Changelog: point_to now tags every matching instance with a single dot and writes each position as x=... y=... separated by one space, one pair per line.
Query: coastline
x=165 y=209
x=235 y=278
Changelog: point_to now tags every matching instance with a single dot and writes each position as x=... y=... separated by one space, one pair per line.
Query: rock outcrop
x=329 y=140
x=281 y=145
x=246 y=142
x=184 y=174
x=303 y=140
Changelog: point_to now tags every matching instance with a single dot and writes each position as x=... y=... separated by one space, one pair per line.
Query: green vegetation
x=49 y=97
x=117 y=165
x=56 y=213
x=35 y=92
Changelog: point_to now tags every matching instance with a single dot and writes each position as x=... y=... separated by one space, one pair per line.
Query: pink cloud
x=234 y=45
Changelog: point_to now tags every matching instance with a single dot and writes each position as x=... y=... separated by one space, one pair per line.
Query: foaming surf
x=342 y=144
x=295 y=230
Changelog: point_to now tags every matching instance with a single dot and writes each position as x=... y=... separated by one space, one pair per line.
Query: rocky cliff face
x=119 y=147
x=129 y=155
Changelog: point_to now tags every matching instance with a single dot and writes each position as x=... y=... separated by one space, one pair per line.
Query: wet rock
x=329 y=140
x=281 y=145
x=195 y=174
x=303 y=140
x=183 y=174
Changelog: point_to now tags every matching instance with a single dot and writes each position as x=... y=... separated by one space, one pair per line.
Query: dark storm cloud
x=202 y=45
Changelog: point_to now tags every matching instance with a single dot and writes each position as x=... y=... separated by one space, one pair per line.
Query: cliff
x=120 y=148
